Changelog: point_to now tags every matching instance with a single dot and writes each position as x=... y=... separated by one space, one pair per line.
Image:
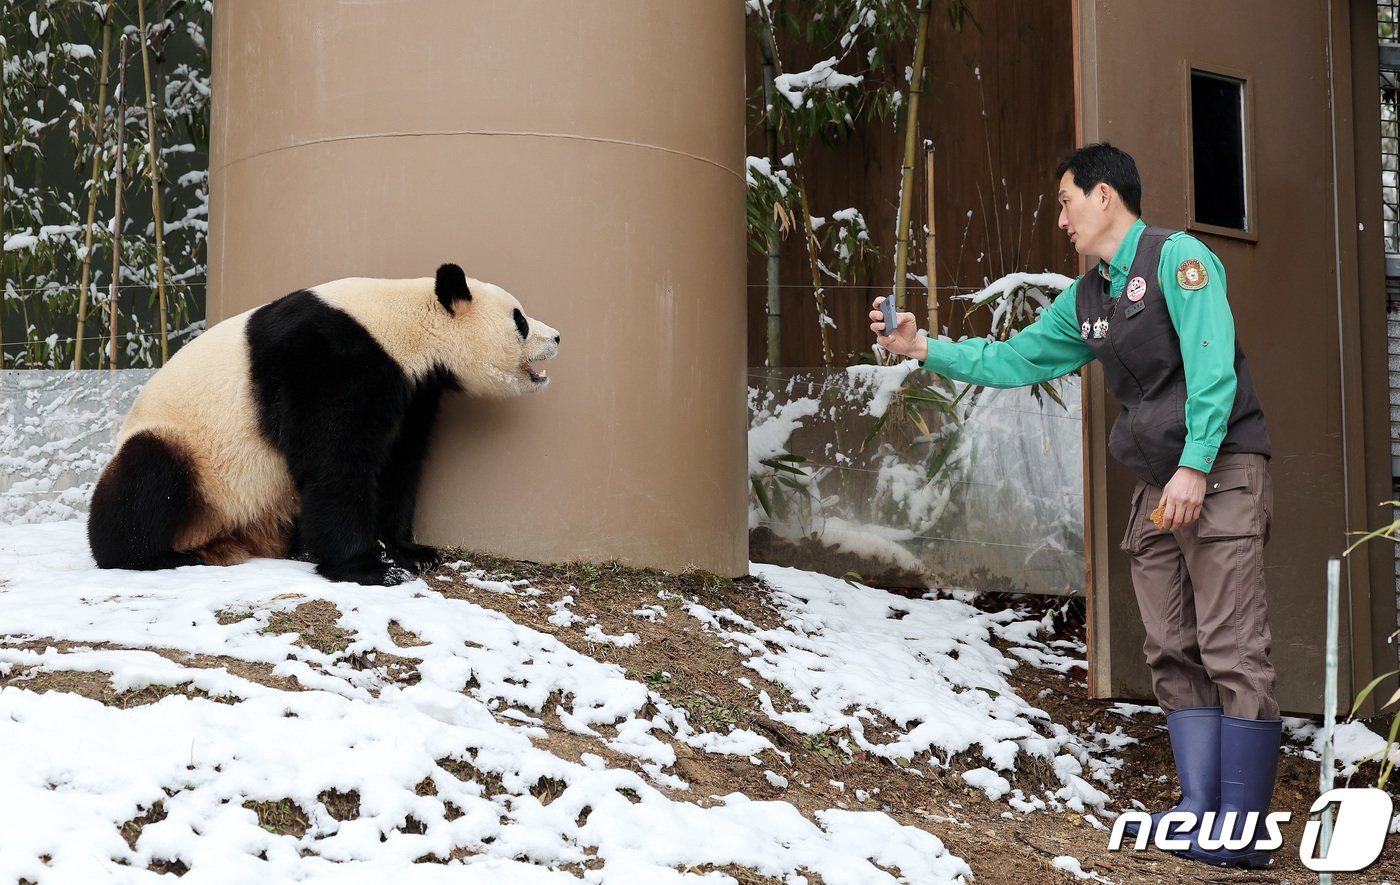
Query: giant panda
x=299 y=428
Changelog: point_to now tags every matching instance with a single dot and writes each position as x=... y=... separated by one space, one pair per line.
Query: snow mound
x=454 y=766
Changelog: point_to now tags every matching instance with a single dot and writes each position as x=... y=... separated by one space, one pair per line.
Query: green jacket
x=1053 y=345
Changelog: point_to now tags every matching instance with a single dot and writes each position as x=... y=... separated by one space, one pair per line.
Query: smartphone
x=891 y=321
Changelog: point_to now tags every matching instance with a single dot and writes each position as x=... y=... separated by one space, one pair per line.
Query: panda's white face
x=498 y=346
x=476 y=331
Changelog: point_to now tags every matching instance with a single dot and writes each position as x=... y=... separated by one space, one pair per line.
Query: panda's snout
x=547 y=344
x=545 y=347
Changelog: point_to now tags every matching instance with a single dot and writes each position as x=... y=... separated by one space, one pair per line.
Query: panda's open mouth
x=540 y=377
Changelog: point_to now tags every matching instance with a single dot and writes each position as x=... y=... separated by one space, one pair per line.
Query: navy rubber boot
x=1248 y=767
x=1195 y=737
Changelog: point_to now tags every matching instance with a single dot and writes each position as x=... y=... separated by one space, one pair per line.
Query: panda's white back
x=403 y=316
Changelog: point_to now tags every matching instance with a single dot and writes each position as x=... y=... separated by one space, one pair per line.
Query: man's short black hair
x=1095 y=163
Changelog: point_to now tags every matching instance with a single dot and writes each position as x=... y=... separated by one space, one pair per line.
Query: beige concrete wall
x=1307 y=308
x=587 y=156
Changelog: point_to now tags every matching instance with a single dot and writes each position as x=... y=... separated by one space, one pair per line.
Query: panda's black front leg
x=339 y=502
x=398 y=482
x=337 y=529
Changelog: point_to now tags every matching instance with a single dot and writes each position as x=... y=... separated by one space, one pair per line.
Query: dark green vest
x=1141 y=356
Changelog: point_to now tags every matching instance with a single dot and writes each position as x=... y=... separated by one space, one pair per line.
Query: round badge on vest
x=1137 y=288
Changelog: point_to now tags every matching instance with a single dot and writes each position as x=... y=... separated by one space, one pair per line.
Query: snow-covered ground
x=74 y=770
x=457 y=765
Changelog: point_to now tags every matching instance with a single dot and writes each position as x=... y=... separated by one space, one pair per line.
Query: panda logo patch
x=1191 y=275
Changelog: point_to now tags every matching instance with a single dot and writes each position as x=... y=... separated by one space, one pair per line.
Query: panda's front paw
x=416 y=558
x=369 y=572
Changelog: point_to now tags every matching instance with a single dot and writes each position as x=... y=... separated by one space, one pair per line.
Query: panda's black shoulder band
x=451 y=286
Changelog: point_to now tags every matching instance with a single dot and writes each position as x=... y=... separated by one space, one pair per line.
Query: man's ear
x=1104 y=193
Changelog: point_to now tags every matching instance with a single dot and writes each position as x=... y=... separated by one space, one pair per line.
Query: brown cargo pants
x=1201 y=593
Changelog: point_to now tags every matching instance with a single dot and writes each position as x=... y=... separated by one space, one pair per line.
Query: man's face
x=1082 y=216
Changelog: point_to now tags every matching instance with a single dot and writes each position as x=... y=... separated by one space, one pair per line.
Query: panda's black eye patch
x=522 y=325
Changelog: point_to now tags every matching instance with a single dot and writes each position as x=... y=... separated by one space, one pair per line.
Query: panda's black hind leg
x=414 y=557
x=142 y=499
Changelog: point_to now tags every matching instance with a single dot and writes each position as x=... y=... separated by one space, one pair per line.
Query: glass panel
x=57 y=431
x=1217 y=144
x=1387 y=19
x=911 y=480
x=1390 y=162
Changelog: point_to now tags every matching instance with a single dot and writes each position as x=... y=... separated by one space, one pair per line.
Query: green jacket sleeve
x=1206 y=328
x=1046 y=349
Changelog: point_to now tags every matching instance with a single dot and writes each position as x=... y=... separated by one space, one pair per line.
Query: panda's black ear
x=451 y=286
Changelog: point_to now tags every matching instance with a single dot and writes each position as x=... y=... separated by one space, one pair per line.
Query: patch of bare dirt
x=693 y=669
x=317 y=623
x=97 y=685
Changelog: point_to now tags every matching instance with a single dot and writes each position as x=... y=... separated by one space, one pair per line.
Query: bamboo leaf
x=1388 y=765
x=1366 y=692
x=762 y=496
x=1389 y=531
x=875 y=428
x=1053 y=394
x=788 y=468
x=944 y=453
x=918 y=419
x=792 y=484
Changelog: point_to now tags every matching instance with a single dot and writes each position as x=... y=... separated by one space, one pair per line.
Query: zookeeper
x=1153 y=311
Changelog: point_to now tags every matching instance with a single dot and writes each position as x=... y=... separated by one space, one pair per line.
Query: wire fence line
x=100 y=288
x=121 y=336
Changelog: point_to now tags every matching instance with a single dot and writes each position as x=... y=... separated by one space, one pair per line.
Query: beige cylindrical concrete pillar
x=586 y=155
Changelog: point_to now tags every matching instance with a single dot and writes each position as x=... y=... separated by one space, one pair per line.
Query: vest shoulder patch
x=1191 y=275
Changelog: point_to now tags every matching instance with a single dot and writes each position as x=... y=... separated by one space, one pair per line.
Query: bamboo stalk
x=813 y=253
x=906 y=186
x=155 y=184
x=4 y=209
x=117 y=213
x=775 y=301
x=1329 y=700
x=99 y=126
x=930 y=250
x=810 y=235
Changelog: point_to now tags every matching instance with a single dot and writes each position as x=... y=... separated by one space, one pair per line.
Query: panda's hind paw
x=415 y=558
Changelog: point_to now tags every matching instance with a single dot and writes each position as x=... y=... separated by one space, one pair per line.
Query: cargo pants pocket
x=1232 y=507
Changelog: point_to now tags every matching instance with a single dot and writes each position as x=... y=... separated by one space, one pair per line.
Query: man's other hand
x=1182 y=498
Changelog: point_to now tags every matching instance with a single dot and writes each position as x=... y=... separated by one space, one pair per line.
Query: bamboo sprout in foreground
x=98 y=126
x=117 y=213
x=155 y=184
x=906 y=187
